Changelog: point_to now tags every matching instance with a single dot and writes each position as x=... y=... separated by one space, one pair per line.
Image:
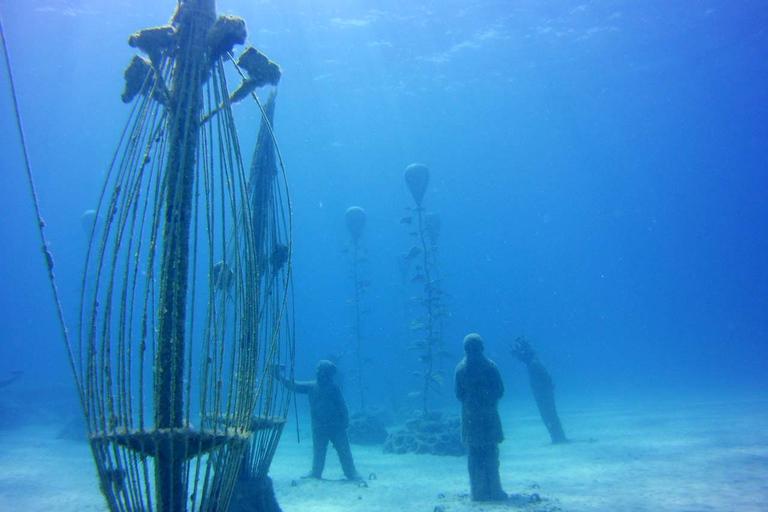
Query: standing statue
x=479 y=388
x=542 y=387
x=330 y=418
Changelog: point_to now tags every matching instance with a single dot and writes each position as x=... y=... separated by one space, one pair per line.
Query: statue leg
x=546 y=402
x=341 y=443
x=478 y=483
x=495 y=492
x=556 y=433
x=320 y=438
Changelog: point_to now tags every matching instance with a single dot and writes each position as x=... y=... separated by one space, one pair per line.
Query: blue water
x=600 y=168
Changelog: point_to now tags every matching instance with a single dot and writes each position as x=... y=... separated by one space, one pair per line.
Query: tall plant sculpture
x=426 y=274
x=355 y=219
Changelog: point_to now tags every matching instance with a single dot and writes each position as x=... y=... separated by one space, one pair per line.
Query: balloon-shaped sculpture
x=417 y=179
x=91 y=223
x=354 y=218
x=88 y=221
x=432 y=226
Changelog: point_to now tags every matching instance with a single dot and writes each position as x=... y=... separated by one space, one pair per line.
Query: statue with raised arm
x=330 y=418
x=542 y=387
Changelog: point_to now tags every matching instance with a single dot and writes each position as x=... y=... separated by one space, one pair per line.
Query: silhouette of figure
x=15 y=375
x=330 y=418
x=479 y=388
x=542 y=387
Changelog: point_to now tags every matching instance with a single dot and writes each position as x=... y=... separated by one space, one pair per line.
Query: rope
x=49 y=263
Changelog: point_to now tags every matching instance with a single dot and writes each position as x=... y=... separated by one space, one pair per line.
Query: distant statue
x=15 y=375
x=542 y=387
x=479 y=388
x=330 y=418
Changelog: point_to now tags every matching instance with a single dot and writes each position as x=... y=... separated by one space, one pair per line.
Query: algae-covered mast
x=355 y=219
x=179 y=243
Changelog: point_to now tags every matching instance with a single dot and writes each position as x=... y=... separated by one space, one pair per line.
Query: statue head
x=325 y=371
x=473 y=346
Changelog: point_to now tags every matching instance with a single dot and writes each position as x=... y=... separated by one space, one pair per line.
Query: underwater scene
x=370 y=255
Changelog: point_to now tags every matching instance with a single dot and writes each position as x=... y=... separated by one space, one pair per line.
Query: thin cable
x=40 y=222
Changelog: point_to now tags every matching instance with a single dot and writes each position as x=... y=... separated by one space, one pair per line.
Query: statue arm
x=344 y=408
x=458 y=384
x=541 y=374
x=302 y=387
x=499 y=383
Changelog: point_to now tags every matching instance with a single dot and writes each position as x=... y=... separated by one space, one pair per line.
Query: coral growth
x=434 y=433
x=367 y=427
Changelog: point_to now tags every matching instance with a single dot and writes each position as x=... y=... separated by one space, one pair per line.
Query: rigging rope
x=40 y=222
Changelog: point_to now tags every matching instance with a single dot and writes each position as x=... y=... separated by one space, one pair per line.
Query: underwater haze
x=600 y=169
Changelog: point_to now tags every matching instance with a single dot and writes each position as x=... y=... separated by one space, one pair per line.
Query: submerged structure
x=185 y=310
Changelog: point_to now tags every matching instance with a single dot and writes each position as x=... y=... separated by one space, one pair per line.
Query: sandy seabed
x=692 y=457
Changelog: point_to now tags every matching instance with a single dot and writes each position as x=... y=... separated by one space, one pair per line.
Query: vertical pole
x=194 y=19
x=430 y=310
x=357 y=326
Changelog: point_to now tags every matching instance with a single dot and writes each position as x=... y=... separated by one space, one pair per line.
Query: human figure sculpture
x=330 y=418
x=479 y=388
x=542 y=387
